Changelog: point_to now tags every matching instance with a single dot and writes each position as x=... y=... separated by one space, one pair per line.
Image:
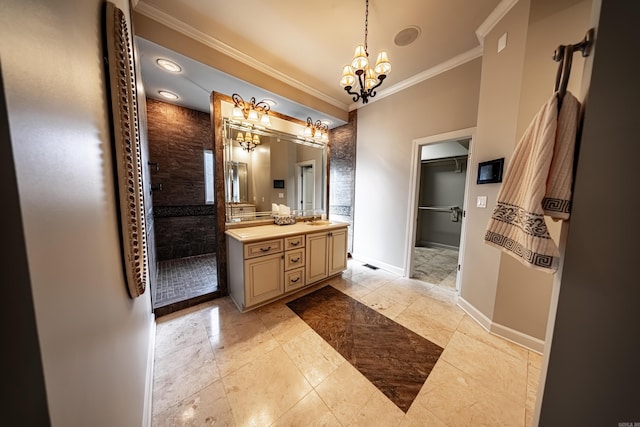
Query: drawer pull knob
x=295 y=280
x=295 y=260
x=294 y=243
x=268 y=248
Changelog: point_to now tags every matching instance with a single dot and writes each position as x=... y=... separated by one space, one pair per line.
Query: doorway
x=306 y=185
x=440 y=181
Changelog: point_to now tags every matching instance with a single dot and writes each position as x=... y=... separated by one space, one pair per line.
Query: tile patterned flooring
x=267 y=367
x=393 y=358
x=184 y=278
x=438 y=266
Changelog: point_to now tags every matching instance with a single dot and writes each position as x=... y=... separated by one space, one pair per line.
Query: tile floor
x=438 y=266
x=217 y=366
x=184 y=278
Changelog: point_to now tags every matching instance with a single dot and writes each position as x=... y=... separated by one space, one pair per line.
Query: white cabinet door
x=316 y=257
x=337 y=251
x=264 y=278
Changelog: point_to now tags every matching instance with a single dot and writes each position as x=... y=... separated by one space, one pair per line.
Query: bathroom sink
x=319 y=222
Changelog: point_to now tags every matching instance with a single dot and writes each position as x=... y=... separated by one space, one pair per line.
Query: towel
x=284 y=210
x=538 y=181
x=274 y=208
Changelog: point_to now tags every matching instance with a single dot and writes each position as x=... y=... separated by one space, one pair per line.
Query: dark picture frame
x=490 y=172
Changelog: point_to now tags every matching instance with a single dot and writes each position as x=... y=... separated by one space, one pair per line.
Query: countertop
x=272 y=231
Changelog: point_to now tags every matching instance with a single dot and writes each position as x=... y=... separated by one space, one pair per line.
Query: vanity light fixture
x=368 y=79
x=168 y=65
x=247 y=141
x=168 y=95
x=317 y=130
x=252 y=111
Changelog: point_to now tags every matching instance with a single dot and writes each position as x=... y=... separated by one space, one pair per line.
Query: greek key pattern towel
x=537 y=182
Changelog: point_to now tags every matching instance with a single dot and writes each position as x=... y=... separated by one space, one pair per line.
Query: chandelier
x=317 y=130
x=251 y=111
x=368 y=78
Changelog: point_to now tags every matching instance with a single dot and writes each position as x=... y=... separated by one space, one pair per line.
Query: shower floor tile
x=184 y=278
x=438 y=266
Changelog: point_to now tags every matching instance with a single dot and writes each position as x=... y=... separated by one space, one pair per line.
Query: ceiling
x=306 y=43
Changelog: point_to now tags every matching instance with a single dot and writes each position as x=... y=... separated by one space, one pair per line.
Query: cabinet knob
x=268 y=248
x=297 y=279
x=295 y=260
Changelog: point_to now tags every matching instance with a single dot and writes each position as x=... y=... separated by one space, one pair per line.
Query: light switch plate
x=502 y=42
x=482 y=202
x=281 y=195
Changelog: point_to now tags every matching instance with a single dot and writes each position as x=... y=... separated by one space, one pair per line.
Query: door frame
x=299 y=168
x=412 y=212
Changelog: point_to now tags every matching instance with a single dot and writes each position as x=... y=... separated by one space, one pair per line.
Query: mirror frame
x=217 y=134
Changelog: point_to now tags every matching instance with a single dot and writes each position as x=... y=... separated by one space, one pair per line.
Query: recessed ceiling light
x=168 y=95
x=326 y=122
x=270 y=102
x=407 y=36
x=168 y=65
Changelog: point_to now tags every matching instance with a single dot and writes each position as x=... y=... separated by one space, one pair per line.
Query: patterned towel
x=538 y=181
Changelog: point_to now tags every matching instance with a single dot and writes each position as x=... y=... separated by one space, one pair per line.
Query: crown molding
x=447 y=65
x=175 y=24
x=494 y=17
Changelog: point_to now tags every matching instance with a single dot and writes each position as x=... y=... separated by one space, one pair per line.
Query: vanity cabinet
x=268 y=262
x=326 y=254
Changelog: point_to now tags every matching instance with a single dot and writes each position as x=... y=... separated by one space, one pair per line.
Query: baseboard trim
x=387 y=267
x=147 y=416
x=517 y=337
x=531 y=343
x=475 y=314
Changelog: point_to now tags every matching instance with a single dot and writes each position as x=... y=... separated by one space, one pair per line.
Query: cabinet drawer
x=294 y=242
x=252 y=250
x=294 y=279
x=294 y=259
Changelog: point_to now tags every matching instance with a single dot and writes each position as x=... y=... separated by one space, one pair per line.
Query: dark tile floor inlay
x=393 y=358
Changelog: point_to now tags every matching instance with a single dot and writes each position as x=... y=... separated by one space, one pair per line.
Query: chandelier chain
x=366 y=27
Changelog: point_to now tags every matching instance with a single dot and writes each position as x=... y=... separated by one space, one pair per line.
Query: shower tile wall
x=184 y=222
x=342 y=165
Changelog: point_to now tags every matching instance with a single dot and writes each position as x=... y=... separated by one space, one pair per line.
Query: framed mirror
x=282 y=169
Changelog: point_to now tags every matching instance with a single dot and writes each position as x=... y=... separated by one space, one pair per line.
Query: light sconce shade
x=256 y=139
x=360 y=61
x=370 y=79
x=383 y=66
x=253 y=115
x=237 y=113
x=348 y=76
x=265 y=120
x=240 y=137
x=308 y=133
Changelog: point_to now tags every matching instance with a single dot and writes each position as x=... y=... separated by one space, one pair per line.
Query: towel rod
x=564 y=55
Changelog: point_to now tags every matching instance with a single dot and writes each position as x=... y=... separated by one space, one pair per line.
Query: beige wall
x=94 y=339
x=386 y=130
x=523 y=294
x=495 y=136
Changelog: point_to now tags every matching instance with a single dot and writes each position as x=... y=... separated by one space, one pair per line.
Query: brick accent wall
x=184 y=223
x=342 y=170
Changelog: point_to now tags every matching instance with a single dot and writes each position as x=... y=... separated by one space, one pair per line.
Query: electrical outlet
x=482 y=202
